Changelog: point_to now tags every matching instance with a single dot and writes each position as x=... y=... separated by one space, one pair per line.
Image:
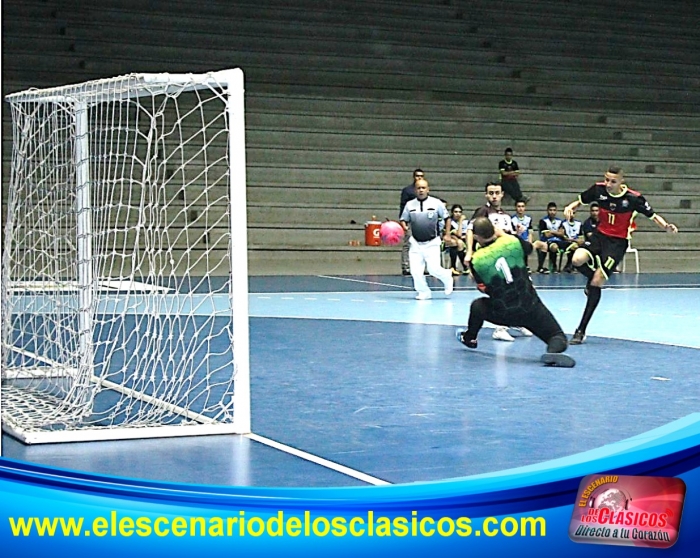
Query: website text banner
x=528 y=511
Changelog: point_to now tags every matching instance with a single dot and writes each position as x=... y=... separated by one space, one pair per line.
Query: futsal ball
x=391 y=233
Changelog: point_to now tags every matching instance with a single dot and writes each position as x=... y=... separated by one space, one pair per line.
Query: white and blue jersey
x=547 y=224
x=572 y=229
x=525 y=222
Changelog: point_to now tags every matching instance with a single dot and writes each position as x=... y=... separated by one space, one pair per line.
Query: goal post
x=125 y=270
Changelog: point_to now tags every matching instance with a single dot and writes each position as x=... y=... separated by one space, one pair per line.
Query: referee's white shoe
x=450 y=286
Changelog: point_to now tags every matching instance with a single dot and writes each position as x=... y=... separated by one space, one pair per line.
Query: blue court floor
x=373 y=387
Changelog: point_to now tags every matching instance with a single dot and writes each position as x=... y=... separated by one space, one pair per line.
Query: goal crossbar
x=135 y=85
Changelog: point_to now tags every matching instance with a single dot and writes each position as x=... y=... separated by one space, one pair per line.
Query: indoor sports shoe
x=559 y=360
x=450 y=287
x=523 y=331
x=424 y=296
x=543 y=271
x=455 y=273
x=578 y=337
x=465 y=339
x=501 y=334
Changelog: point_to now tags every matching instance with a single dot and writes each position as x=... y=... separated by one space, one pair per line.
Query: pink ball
x=391 y=233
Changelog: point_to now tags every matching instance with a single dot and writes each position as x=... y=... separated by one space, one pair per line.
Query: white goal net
x=124 y=271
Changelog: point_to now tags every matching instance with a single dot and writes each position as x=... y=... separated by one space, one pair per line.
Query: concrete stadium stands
x=345 y=98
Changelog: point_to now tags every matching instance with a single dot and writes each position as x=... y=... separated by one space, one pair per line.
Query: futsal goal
x=124 y=270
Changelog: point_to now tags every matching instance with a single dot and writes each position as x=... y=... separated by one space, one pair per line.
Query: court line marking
x=689 y=285
x=465 y=289
x=318 y=460
x=626 y=288
x=364 y=282
x=646 y=341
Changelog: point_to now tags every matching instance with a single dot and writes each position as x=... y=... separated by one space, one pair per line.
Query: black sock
x=586 y=271
x=453 y=257
x=461 y=256
x=553 y=259
x=591 y=305
x=569 y=257
x=540 y=259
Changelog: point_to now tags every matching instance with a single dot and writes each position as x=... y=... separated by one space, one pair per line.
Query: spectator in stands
x=591 y=224
x=551 y=239
x=502 y=221
x=425 y=215
x=407 y=194
x=509 y=171
x=573 y=231
x=455 y=238
x=522 y=223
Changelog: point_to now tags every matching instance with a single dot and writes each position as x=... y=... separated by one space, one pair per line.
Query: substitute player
x=606 y=247
x=499 y=269
x=501 y=220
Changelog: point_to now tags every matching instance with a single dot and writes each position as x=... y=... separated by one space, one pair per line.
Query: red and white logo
x=628 y=511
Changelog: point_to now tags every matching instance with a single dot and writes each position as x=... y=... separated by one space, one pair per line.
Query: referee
x=425 y=216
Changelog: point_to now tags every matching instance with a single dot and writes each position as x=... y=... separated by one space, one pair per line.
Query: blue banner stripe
x=669 y=451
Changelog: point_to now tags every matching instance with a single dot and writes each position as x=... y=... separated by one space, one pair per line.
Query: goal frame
x=232 y=81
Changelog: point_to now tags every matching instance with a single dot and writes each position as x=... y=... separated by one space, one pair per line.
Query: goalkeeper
x=499 y=269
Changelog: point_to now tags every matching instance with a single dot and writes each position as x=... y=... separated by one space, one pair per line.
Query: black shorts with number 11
x=607 y=251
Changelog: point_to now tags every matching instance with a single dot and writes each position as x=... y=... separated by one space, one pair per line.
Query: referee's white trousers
x=426 y=254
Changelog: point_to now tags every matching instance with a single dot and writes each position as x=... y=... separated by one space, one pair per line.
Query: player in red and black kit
x=601 y=253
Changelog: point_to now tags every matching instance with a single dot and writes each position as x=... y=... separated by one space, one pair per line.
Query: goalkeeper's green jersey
x=500 y=271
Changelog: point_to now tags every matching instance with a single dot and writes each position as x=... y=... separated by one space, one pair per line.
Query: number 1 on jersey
x=504 y=268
